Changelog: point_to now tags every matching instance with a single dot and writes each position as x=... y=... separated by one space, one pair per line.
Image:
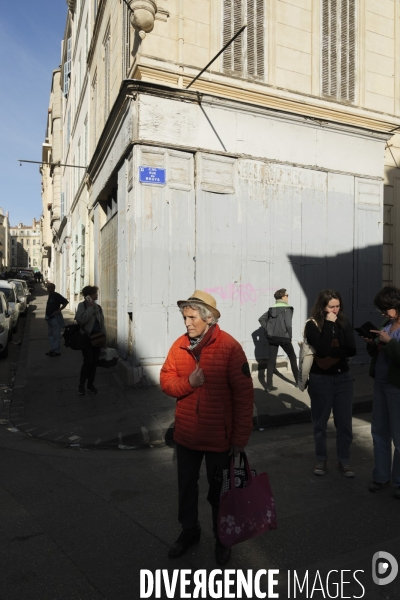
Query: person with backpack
x=277 y=324
x=90 y=316
x=330 y=386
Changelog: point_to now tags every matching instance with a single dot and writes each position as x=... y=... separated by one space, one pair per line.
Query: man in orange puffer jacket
x=208 y=373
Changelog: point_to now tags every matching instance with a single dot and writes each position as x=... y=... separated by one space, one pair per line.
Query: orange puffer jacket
x=219 y=413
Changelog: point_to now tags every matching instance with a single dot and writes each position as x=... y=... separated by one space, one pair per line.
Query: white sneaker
x=320 y=468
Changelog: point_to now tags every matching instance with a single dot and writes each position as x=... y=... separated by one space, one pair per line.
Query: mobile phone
x=365 y=330
x=88 y=299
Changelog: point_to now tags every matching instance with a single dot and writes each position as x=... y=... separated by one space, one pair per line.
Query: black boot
x=187 y=538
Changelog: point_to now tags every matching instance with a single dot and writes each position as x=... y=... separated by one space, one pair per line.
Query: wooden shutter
x=333 y=83
x=250 y=44
x=260 y=23
x=67 y=66
x=237 y=44
x=348 y=49
x=338 y=49
x=255 y=37
x=126 y=41
x=232 y=21
x=107 y=74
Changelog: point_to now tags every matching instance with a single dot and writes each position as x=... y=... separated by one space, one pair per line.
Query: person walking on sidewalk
x=385 y=369
x=54 y=307
x=277 y=323
x=90 y=316
x=330 y=385
x=207 y=372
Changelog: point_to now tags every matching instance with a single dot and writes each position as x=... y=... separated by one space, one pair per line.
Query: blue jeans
x=327 y=393
x=54 y=329
x=385 y=428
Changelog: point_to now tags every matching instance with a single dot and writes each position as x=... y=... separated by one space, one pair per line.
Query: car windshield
x=9 y=294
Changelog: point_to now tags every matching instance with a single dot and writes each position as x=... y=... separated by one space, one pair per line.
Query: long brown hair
x=318 y=310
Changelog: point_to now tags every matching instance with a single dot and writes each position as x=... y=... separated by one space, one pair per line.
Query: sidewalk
x=46 y=404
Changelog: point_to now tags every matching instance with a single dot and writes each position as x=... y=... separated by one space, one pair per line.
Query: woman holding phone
x=330 y=385
x=385 y=369
x=90 y=316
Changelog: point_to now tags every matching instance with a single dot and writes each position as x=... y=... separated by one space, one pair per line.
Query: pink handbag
x=246 y=512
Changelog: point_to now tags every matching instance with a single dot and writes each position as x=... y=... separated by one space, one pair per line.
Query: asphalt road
x=80 y=524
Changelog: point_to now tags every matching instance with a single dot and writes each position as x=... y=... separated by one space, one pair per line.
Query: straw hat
x=199 y=297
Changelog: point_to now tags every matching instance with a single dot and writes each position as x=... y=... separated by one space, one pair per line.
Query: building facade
x=25 y=246
x=4 y=241
x=277 y=168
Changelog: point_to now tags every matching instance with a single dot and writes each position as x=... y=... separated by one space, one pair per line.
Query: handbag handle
x=243 y=457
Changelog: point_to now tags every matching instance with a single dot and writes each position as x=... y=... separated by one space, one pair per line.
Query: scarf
x=197 y=344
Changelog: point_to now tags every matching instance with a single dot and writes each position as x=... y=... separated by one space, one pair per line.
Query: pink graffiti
x=244 y=292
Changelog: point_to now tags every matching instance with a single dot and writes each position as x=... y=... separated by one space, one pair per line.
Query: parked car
x=25 y=286
x=5 y=326
x=21 y=295
x=28 y=277
x=10 y=291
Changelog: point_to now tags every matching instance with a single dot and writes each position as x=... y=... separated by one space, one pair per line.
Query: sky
x=30 y=49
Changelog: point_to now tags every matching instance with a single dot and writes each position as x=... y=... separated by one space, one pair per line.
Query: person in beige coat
x=91 y=318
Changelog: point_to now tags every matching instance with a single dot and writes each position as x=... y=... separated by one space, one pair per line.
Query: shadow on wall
x=357 y=275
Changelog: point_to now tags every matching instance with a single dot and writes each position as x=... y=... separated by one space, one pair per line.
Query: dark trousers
x=332 y=392
x=88 y=370
x=273 y=353
x=189 y=463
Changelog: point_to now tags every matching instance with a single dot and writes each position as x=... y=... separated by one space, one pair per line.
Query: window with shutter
x=126 y=40
x=106 y=74
x=246 y=56
x=93 y=127
x=339 y=49
x=67 y=66
x=86 y=142
x=68 y=127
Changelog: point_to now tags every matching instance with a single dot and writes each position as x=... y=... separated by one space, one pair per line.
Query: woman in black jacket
x=330 y=385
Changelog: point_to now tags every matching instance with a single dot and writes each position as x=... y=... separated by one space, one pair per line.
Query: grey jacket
x=277 y=323
x=86 y=316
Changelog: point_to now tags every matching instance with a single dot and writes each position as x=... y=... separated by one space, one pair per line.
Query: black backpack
x=74 y=337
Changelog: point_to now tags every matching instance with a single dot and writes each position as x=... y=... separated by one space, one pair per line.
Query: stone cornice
x=267 y=97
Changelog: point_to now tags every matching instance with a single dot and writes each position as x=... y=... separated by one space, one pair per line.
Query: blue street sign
x=152 y=175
